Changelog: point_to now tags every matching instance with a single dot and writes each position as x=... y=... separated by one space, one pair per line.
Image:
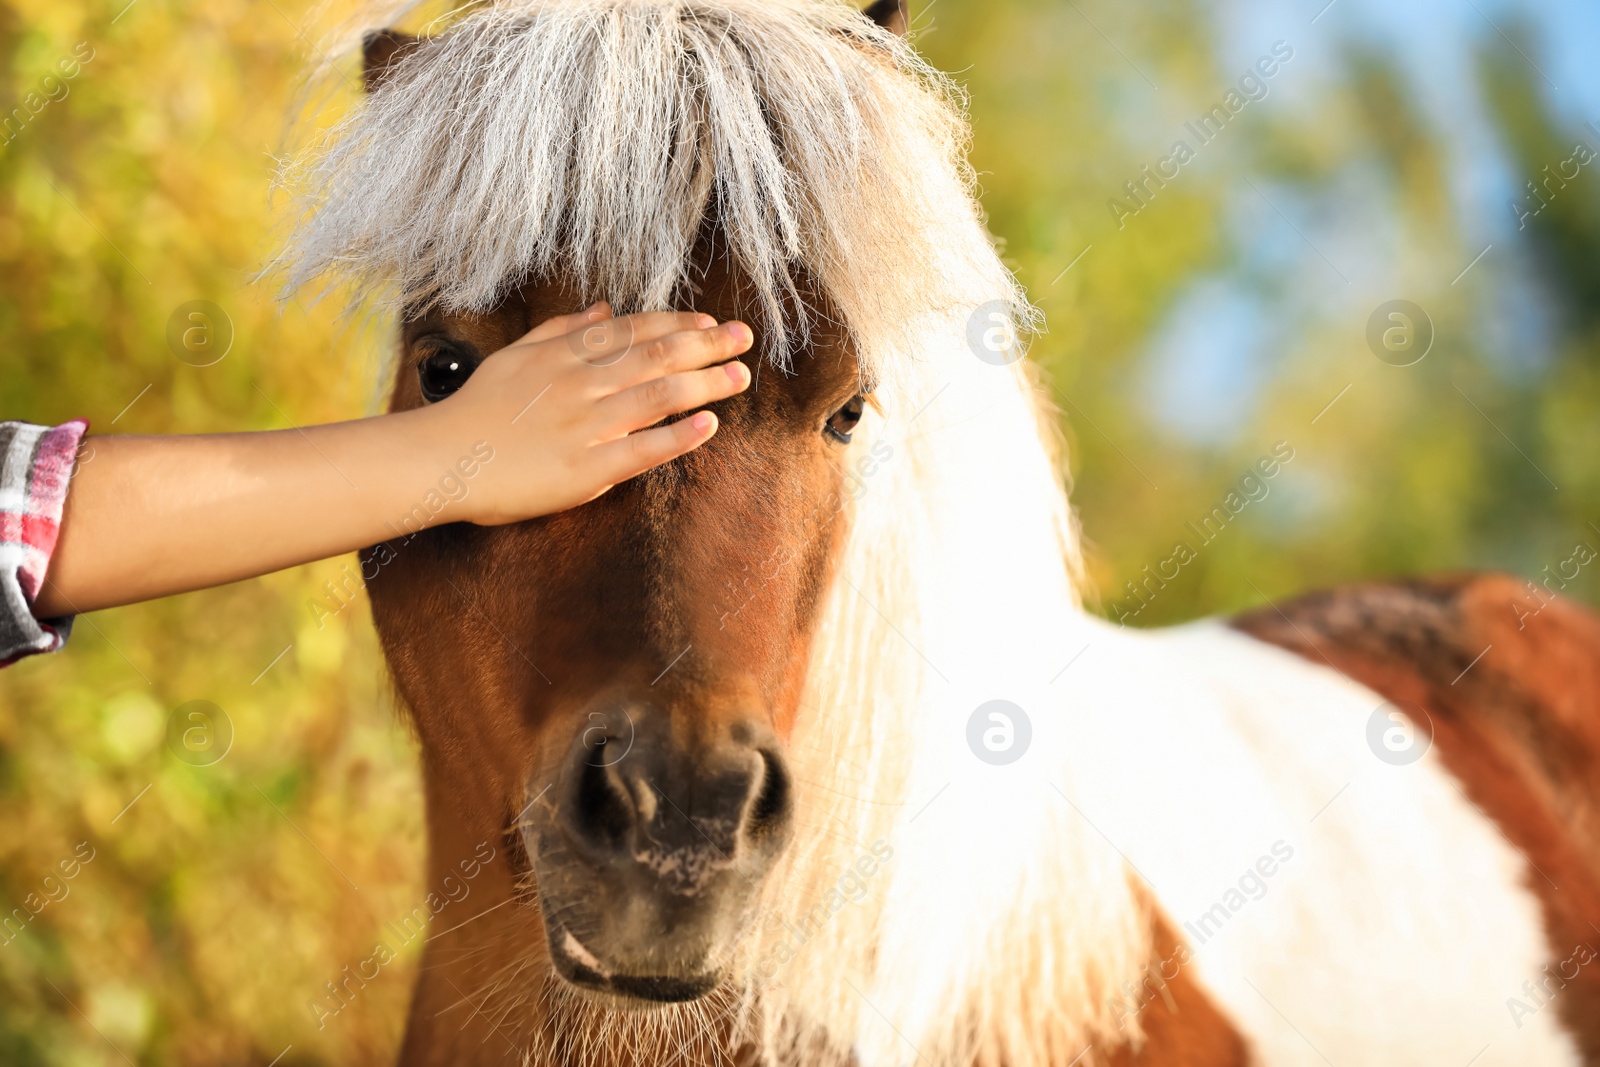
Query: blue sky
x=1216 y=351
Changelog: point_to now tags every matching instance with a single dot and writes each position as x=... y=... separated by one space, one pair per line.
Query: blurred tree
x=220 y=898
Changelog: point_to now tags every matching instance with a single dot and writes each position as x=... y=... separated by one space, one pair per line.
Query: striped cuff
x=36 y=465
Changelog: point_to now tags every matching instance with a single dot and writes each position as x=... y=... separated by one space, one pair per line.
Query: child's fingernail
x=705 y=322
x=702 y=421
x=740 y=332
x=736 y=372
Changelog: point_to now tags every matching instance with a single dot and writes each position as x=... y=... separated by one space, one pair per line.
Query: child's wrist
x=450 y=455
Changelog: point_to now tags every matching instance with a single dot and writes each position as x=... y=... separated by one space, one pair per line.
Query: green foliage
x=220 y=902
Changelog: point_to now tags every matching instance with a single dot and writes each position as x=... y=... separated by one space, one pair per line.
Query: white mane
x=589 y=138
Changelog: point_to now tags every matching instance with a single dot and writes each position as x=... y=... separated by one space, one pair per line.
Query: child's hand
x=565 y=410
x=566 y=407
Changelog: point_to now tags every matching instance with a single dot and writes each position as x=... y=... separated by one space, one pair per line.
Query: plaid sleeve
x=35 y=468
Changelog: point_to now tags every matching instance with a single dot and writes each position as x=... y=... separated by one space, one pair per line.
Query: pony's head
x=682 y=706
x=616 y=683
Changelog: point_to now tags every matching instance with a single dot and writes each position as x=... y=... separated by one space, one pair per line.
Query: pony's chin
x=584 y=973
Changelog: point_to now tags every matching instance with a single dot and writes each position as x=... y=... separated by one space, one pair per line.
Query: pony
x=803 y=749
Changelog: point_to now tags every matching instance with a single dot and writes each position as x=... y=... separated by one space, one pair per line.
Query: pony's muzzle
x=653 y=847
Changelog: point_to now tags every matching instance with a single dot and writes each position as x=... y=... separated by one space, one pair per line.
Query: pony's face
x=615 y=683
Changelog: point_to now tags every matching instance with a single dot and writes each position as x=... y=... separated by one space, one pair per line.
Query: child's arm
x=150 y=516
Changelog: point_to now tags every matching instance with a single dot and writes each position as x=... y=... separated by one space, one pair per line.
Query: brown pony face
x=611 y=687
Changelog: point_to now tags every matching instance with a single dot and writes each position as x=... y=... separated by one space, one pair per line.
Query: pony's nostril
x=602 y=812
x=680 y=813
x=770 y=811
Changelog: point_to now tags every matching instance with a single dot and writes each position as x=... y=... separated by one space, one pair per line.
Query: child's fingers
x=562 y=325
x=651 y=401
x=638 y=452
x=611 y=341
x=675 y=353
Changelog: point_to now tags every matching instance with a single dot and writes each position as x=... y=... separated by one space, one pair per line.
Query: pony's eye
x=845 y=419
x=445 y=371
